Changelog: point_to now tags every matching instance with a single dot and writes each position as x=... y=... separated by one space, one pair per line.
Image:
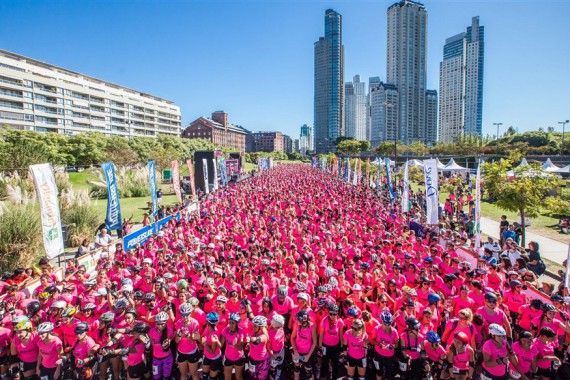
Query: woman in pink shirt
x=161 y=336
x=135 y=351
x=187 y=334
x=330 y=334
x=356 y=341
x=210 y=339
x=546 y=360
x=435 y=353
x=385 y=340
x=303 y=344
x=50 y=350
x=526 y=354
x=84 y=352
x=25 y=347
x=461 y=357
x=496 y=353
x=233 y=338
x=258 y=364
x=410 y=342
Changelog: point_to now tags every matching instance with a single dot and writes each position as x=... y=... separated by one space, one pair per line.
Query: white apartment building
x=355 y=109
x=41 y=97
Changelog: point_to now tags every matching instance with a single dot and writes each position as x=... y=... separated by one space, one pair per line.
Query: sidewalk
x=550 y=249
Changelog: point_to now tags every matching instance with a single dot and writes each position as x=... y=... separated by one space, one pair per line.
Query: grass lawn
x=132 y=206
x=79 y=180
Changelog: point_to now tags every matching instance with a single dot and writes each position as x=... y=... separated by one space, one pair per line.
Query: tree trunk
x=523 y=226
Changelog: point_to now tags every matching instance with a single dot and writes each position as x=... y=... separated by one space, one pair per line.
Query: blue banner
x=340 y=167
x=347 y=169
x=160 y=223
x=139 y=236
x=113 y=219
x=378 y=182
x=315 y=161
x=152 y=184
x=389 y=178
x=223 y=171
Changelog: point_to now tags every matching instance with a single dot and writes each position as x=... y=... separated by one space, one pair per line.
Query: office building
x=218 y=130
x=295 y=145
x=306 y=139
x=37 y=96
x=406 y=68
x=383 y=119
x=268 y=142
x=329 y=84
x=431 y=117
x=355 y=108
x=287 y=144
x=461 y=84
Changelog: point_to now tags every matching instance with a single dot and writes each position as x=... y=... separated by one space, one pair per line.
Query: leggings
x=162 y=367
x=329 y=362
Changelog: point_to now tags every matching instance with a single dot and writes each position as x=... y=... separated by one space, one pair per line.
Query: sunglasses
x=492 y=301
x=356 y=328
x=333 y=314
x=185 y=315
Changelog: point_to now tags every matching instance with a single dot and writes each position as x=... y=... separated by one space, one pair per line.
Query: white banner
x=215 y=174
x=49 y=209
x=355 y=173
x=478 y=208
x=432 y=192
x=406 y=190
x=567 y=277
x=206 y=183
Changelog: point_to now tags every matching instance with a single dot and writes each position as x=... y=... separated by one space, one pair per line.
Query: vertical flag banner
x=432 y=192
x=389 y=179
x=152 y=184
x=176 y=179
x=478 y=207
x=223 y=171
x=406 y=190
x=46 y=189
x=347 y=170
x=259 y=168
x=367 y=179
x=215 y=173
x=113 y=219
x=359 y=180
x=355 y=174
x=314 y=161
x=567 y=277
x=379 y=160
x=205 y=170
x=191 y=175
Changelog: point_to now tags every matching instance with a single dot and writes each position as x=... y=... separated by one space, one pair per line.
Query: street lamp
x=498 y=125
x=563 y=127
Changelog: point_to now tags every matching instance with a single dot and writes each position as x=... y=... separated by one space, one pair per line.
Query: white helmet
x=259 y=321
x=495 y=329
x=278 y=320
x=186 y=308
x=59 y=304
x=221 y=299
x=303 y=296
x=161 y=317
x=45 y=327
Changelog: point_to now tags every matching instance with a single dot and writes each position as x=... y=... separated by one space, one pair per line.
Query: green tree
x=119 y=152
x=386 y=148
x=352 y=146
x=89 y=148
x=524 y=193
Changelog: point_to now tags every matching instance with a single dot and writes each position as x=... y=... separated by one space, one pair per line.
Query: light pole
x=498 y=125
x=563 y=127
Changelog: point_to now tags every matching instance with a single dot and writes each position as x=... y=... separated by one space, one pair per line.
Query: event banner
x=113 y=219
x=347 y=170
x=367 y=179
x=379 y=177
x=191 y=175
x=389 y=179
x=432 y=192
x=215 y=163
x=315 y=161
x=206 y=182
x=406 y=190
x=46 y=189
x=223 y=171
x=176 y=179
x=355 y=173
x=152 y=184
x=478 y=207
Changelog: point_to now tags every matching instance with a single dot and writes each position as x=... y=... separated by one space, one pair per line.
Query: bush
x=132 y=183
x=76 y=212
x=20 y=236
x=62 y=182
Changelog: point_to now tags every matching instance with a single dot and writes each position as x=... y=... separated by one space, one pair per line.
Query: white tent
x=564 y=170
x=548 y=166
x=440 y=165
x=523 y=163
x=375 y=162
x=453 y=167
x=414 y=162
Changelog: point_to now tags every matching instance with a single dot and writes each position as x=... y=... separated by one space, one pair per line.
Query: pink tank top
x=461 y=360
x=187 y=345
x=331 y=331
x=232 y=339
x=277 y=340
x=50 y=351
x=258 y=351
x=27 y=353
x=434 y=354
x=217 y=352
x=495 y=353
x=355 y=344
x=385 y=341
x=136 y=357
x=304 y=338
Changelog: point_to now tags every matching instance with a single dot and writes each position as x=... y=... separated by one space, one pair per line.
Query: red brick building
x=268 y=142
x=218 y=130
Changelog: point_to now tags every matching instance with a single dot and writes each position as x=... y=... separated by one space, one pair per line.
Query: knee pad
x=297 y=368
x=205 y=375
x=308 y=372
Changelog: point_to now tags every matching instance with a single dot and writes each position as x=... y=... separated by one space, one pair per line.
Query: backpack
x=456 y=323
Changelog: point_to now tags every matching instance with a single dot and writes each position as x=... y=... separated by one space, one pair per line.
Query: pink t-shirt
x=356 y=344
x=330 y=331
x=217 y=351
x=434 y=354
x=5 y=337
x=50 y=351
x=277 y=340
x=27 y=353
x=258 y=351
x=232 y=339
x=81 y=350
x=544 y=350
x=461 y=360
x=524 y=357
x=156 y=340
x=495 y=353
x=304 y=339
x=385 y=341
x=187 y=345
x=411 y=344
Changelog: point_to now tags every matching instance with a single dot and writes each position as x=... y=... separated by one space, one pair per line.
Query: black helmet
x=548 y=307
x=131 y=310
x=33 y=307
x=332 y=307
x=81 y=327
x=141 y=328
x=412 y=323
x=536 y=303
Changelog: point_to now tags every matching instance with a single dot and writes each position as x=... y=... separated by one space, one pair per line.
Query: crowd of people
x=291 y=274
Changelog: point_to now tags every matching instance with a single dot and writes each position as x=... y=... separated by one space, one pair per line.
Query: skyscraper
x=329 y=84
x=461 y=84
x=355 y=108
x=383 y=115
x=406 y=68
x=305 y=139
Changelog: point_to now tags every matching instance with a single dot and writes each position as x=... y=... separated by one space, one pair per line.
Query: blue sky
x=254 y=59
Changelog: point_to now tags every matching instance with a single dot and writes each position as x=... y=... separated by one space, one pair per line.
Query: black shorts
x=230 y=363
x=137 y=371
x=49 y=373
x=310 y=362
x=214 y=364
x=546 y=372
x=385 y=365
x=352 y=362
x=4 y=360
x=25 y=366
x=192 y=358
x=489 y=375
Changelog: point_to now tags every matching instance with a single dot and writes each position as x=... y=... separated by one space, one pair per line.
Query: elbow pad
x=124 y=351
